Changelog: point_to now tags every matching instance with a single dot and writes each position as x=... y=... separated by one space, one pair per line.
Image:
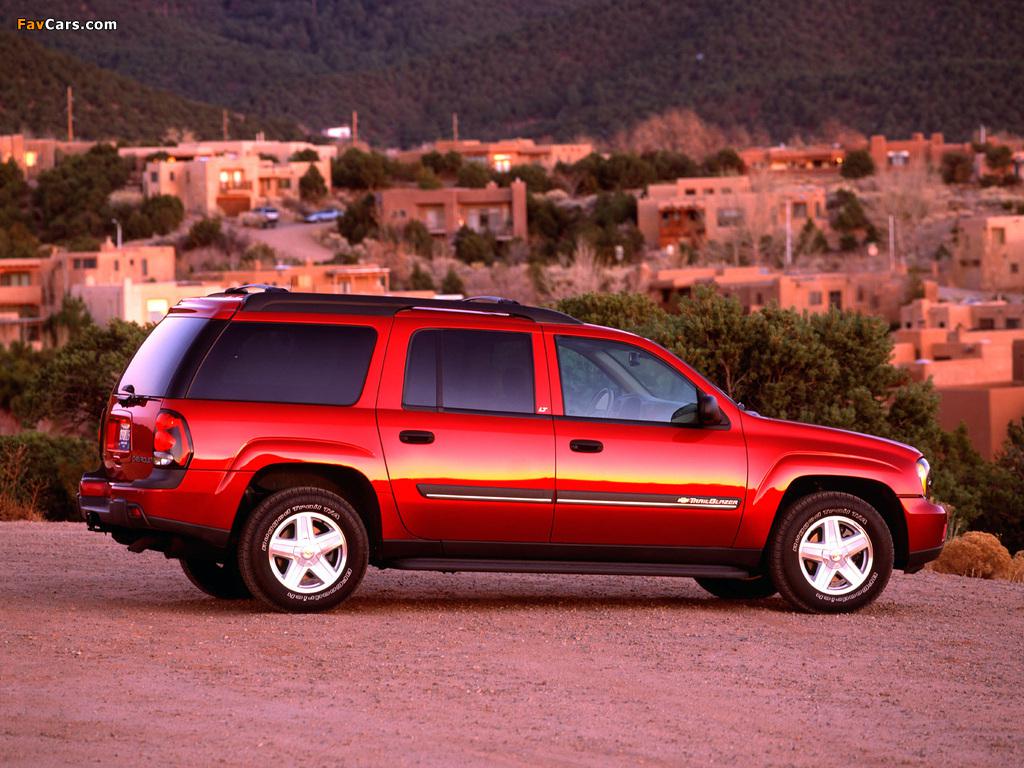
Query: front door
x=633 y=465
x=465 y=422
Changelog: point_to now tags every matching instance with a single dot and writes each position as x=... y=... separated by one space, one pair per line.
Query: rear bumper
x=926 y=531
x=198 y=507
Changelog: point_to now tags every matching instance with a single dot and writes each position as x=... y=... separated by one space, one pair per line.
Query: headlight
x=924 y=471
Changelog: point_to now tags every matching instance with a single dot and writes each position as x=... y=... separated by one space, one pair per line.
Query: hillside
x=565 y=67
x=107 y=105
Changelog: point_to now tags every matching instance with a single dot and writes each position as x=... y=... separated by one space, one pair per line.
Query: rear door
x=465 y=421
x=634 y=466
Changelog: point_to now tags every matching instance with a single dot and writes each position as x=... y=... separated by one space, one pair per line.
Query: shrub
x=977 y=554
x=857 y=165
x=359 y=220
x=304 y=156
x=426 y=178
x=452 y=283
x=418 y=236
x=420 y=280
x=312 y=186
x=39 y=475
x=472 y=247
x=473 y=175
x=203 y=234
x=956 y=168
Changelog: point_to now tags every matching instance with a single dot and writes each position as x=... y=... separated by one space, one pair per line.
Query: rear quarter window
x=286 y=363
x=160 y=363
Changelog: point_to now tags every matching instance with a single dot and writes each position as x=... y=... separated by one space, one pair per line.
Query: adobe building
x=34 y=156
x=498 y=210
x=504 y=154
x=310 y=277
x=754 y=288
x=693 y=211
x=990 y=254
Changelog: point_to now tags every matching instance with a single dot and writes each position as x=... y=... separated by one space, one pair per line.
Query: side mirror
x=708 y=412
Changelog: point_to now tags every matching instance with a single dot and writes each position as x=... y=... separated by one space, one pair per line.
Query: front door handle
x=416 y=436
x=586 y=446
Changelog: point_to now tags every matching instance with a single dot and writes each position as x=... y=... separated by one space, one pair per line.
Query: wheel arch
x=347 y=482
x=874 y=492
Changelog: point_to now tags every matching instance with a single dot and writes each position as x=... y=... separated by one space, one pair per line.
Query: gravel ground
x=115 y=659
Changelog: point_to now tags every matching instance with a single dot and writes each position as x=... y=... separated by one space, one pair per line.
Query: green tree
x=312 y=187
x=447 y=164
x=956 y=168
x=426 y=178
x=304 y=156
x=165 y=213
x=420 y=280
x=452 y=284
x=359 y=220
x=857 y=164
x=361 y=170
x=1002 y=508
x=15 y=196
x=725 y=162
x=204 y=233
x=71 y=199
x=473 y=175
x=473 y=247
x=535 y=177
x=72 y=388
x=17 y=242
x=418 y=236
x=999 y=157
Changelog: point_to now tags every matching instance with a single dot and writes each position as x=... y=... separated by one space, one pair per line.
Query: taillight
x=119 y=433
x=172 y=444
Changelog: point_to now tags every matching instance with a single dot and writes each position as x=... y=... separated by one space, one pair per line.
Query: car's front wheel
x=831 y=553
x=303 y=550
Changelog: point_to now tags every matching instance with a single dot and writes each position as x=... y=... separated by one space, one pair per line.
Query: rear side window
x=286 y=363
x=489 y=371
x=154 y=367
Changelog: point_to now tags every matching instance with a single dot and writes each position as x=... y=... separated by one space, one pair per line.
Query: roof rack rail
x=280 y=300
x=244 y=289
x=489 y=300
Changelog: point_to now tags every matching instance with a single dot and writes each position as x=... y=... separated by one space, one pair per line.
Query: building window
x=31 y=158
x=986 y=324
x=835 y=299
x=284 y=184
x=898 y=159
x=145 y=268
x=814 y=298
x=726 y=190
x=1014 y=269
x=171 y=175
x=502 y=163
x=999 y=235
x=799 y=211
x=117 y=265
x=11 y=279
x=730 y=217
x=154 y=177
x=85 y=263
x=1012 y=323
x=691 y=191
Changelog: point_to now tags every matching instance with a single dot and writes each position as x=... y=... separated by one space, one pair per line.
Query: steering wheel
x=603 y=395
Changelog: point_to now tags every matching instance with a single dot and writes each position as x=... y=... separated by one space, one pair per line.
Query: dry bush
x=977 y=554
x=1015 y=572
x=17 y=502
x=682 y=130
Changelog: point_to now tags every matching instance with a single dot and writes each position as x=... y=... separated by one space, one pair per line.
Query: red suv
x=277 y=443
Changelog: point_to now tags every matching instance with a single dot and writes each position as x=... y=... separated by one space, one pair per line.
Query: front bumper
x=926 y=531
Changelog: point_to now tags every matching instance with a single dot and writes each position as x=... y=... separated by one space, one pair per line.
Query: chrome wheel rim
x=836 y=555
x=307 y=552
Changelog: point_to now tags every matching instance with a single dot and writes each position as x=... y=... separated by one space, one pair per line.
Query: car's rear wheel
x=831 y=553
x=220 y=580
x=754 y=588
x=303 y=550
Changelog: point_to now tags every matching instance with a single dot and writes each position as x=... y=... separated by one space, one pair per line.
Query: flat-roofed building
x=693 y=211
x=504 y=154
x=498 y=210
x=989 y=255
x=33 y=156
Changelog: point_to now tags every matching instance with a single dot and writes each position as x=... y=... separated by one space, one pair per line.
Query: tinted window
x=286 y=363
x=614 y=380
x=151 y=370
x=478 y=371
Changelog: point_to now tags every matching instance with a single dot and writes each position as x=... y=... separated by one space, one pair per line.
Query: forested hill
x=33 y=98
x=566 y=67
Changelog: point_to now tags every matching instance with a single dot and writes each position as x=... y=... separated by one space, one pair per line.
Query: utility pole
x=455 y=126
x=789 y=233
x=892 y=243
x=224 y=123
x=355 y=126
x=118 y=225
x=71 y=117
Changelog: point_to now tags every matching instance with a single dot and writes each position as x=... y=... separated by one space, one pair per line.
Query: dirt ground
x=115 y=659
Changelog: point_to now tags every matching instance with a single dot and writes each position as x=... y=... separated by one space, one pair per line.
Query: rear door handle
x=416 y=436
x=586 y=446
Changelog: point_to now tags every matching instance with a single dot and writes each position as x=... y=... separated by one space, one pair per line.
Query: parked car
x=327 y=214
x=278 y=443
x=265 y=216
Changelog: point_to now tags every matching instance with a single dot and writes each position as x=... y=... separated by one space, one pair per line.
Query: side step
x=453 y=565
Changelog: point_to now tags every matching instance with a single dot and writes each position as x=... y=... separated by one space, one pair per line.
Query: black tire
x=263 y=575
x=220 y=580
x=754 y=588
x=791 y=573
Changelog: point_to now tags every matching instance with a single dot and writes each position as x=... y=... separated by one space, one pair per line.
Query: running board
x=453 y=565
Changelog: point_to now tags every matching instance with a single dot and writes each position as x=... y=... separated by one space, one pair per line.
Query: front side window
x=604 y=379
x=490 y=371
x=286 y=363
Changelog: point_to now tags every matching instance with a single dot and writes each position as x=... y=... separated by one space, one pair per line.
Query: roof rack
x=276 y=299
